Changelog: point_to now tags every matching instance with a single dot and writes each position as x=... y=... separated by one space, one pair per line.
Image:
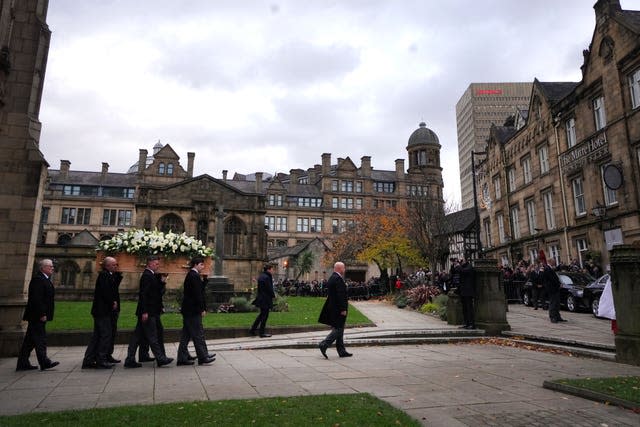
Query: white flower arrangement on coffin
x=142 y=243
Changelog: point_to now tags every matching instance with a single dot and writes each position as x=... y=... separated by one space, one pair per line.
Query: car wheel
x=594 y=306
x=571 y=303
x=526 y=298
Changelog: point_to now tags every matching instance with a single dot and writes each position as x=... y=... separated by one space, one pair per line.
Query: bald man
x=334 y=311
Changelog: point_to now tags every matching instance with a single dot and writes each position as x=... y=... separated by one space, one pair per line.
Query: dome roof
x=423 y=135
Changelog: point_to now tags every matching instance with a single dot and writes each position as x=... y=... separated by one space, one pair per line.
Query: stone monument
x=625 y=285
x=219 y=289
x=490 y=303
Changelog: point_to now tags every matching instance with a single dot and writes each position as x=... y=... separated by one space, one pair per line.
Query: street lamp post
x=475 y=201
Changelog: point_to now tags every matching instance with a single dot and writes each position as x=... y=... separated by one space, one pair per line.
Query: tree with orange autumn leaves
x=380 y=236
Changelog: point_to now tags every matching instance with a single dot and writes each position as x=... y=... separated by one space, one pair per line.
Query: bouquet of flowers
x=145 y=242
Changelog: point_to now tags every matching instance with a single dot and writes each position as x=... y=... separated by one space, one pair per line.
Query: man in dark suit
x=149 y=309
x=38 y=312
x=193 y=310
x=334 y=311
x=105 y=302
x=467 y=292
x=552 y=286
x=264 y=301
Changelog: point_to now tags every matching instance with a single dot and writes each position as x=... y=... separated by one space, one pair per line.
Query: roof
x=93 y=178
x=630 y=19
x=502 y=134
x=461 y=220
x=423 y=135
x=555 y=91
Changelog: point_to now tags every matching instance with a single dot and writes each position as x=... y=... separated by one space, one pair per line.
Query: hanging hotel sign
x=586 y=152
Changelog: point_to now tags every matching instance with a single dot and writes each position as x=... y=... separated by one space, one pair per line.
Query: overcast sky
x=270 y=86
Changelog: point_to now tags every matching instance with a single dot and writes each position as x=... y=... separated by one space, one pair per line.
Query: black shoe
x=562 y=320
x=104 y=365
x=206 y=361
x=146 y=359
x=463 y=327
x=164 y=361
x=265 y=335
x=88 y=365
x=535 y=308
x=110 y=359
x=132 y=364
x=185 y=362
x=345 y=354
x=25 y=368
x=554 y=321
x=49 y=365
x=190 y=357
x=323 y=349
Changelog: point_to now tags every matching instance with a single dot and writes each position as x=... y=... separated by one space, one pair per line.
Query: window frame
x=579 y=203
x=599 y=113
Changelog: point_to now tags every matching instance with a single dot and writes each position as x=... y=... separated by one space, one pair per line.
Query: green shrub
x=441 y=300
x=241 y=305
x=429 y=307
x=400 y=300
x=280 y=304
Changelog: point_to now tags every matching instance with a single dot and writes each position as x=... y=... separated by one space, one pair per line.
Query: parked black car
x=592 y=293
x=571 y=290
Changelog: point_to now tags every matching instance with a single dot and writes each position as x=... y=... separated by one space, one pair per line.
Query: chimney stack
x=326 y=164
x=142 y=161
x=190 y=157
x=259 y=182
x=105 y=168
x=365 y=166
x=399 y=169
x=64 y=168
x=224 y=175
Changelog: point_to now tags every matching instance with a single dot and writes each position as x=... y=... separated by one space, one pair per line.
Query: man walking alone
x=334 y=311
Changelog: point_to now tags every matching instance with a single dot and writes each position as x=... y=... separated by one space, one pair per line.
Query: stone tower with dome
x=423 y=150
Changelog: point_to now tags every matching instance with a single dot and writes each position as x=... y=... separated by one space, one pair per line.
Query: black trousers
x=35 y=338
x=261 y=321
x=114 y=331
x=337 y=335
x=538 y=293
x=554 y=304
x=192 y=330
x=149 y=332
x=144 y=344
x=100 y=342
x=467 y=311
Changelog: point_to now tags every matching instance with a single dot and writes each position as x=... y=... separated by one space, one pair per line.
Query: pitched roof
x=93 y=178
x=555 y=91
x=461 y=220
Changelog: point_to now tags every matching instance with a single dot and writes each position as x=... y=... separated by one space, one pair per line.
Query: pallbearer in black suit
x=193 y=310
x=39 y=311
x=149 y=309
x=105 y=302
x=334 y=311
x=264 y=301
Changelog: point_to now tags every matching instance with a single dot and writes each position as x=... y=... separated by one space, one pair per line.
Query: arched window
x=170 y=222
x=169 y=169
x=106 y=236
x=68 y=271
x=203 y=230
x=234 y=232
x=64 y=239
x=161 y=169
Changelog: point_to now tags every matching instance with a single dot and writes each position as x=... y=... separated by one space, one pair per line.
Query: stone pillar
x=625 y=273
x=24 y=46
x=490 y=304
x=454 y=309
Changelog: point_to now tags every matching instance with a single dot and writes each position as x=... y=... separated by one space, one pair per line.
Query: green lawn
x=626 y=388
x=322 y=410
x=302 y=311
